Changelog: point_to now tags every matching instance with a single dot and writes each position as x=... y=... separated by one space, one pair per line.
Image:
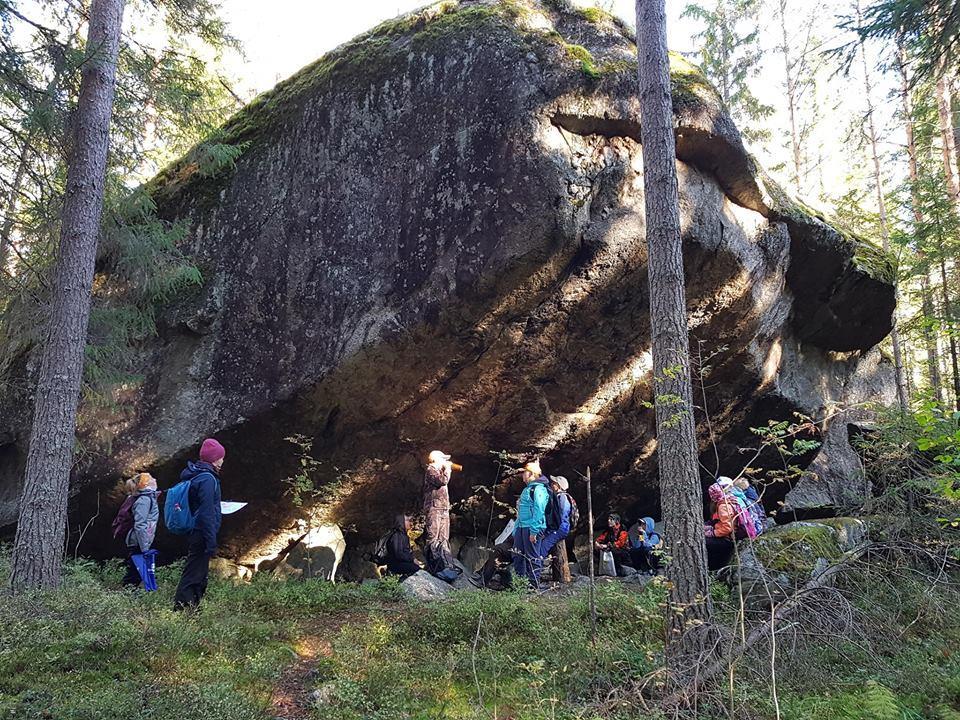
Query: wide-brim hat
x=437 y=456
x=561 y=482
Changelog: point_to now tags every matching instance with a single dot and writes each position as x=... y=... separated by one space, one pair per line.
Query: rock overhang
x=484 y=288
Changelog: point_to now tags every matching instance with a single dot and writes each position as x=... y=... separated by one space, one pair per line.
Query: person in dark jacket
x=146 y=513
x=204 y=477
x=558 y=527
x=399 y=554
x=496 y=573
x=436 y=511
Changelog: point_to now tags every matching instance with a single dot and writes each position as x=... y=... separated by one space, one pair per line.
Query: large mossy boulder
x=434 y=237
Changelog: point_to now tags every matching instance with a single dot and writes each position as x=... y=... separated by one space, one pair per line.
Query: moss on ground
x=92 y=650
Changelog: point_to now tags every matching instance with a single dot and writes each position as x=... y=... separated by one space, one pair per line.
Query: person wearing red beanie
x=204 y=497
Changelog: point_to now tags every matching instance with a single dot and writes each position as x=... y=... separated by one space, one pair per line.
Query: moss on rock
x=795 y=548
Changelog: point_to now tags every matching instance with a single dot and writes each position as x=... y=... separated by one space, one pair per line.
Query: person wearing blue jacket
x=204 y=495
x=558 y=521
x=531 y=524
x=645 y=548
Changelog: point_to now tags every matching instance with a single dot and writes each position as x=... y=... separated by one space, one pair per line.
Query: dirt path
x=293 y=695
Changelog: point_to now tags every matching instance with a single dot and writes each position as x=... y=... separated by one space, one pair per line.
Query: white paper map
x=230 y=507
x=505 y=534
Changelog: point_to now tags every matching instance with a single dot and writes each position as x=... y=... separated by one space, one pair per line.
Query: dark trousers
x=527 y=557
x=560 y=564
x=193 y=582
x=403 y=568
x=499 y=563
x=644 y=559
x=719 y=551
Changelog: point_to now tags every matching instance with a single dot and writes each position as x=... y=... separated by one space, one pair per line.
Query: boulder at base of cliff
x=424 y=586
x=786 y=557
x=317 y=555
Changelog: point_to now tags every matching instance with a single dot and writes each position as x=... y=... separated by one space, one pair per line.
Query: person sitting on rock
x=496 y=571
x=645 y=549
x=531 y=524
x=399 y=555
x=720 y=532
x=615 y=540
x=436 y=511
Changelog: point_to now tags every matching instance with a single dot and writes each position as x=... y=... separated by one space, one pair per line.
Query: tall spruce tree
x=41 y=529
x=681 y=494
x=731 y=56
x=165 y=100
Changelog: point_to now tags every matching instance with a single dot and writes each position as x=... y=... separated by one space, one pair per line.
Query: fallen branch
x=779 y=614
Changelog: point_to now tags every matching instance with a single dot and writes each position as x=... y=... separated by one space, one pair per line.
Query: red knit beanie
x=211 y=451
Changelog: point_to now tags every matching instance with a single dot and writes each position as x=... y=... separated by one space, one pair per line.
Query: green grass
x=93 y=650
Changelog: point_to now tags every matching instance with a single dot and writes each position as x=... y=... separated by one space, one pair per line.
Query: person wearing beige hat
x=436 y=511
x=558 y=528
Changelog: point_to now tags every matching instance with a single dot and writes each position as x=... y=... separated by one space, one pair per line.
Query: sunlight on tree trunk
x=39 y=545
x=680 y=489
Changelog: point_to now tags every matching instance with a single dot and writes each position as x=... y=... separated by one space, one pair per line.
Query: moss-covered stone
x=795 y=548
x=370 y=58
x=867 y=257
x=689 y=86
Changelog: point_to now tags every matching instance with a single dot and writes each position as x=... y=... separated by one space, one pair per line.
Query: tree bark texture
x=680 y=489
x=10 y=205
x=951 y=335
x=902 y=394
x=39 y=546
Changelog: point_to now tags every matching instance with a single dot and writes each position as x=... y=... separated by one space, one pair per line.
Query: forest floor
x=311 y=649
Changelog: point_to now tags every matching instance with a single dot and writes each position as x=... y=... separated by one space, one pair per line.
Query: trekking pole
x=593 y=604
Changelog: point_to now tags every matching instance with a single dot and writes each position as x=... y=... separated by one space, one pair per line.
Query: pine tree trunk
x=951 y=335
x=903 y=397
x=926 y=299
x=681 y=494
x=946 y=136
x=39 y=545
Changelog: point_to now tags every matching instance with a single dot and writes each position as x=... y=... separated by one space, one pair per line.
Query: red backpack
x=123 y=522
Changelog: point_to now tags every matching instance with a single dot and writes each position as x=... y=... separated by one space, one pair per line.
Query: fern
x=877 y=702
x=213 y=157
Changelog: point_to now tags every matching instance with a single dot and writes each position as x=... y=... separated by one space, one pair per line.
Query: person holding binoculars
x=436 y=511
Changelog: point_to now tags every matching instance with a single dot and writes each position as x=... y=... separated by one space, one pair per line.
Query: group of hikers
x=546 y=514
x=192 y=508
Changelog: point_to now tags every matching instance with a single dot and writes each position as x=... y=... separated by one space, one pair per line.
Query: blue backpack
x=176 y=510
